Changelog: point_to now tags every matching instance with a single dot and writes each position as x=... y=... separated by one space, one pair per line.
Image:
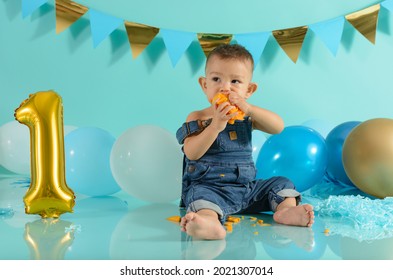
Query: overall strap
x=191 y=128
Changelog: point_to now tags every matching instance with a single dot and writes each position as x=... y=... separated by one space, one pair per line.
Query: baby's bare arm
x=262 y=119
x=265 y=120
x=196 y=146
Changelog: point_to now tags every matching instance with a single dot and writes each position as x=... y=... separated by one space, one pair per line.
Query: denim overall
x=223 y=179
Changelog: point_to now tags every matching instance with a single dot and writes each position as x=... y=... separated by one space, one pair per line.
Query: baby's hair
x=231 y=51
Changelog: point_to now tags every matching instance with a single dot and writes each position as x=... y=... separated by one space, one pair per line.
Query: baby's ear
x=202 y=83
x=252 y=87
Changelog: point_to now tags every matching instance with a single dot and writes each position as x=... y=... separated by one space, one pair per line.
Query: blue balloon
x=298 y=153
x=87 y=154
x=334 y=143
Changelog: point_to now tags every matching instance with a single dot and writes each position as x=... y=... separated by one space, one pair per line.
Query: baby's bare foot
x=300 y=215
x=202 y=226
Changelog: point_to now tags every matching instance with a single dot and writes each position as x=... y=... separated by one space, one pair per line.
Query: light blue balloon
x=87 y=154
x=258 y=139
x=298 y=153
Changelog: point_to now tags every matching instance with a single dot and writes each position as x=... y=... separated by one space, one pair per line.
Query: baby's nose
x=225 y=87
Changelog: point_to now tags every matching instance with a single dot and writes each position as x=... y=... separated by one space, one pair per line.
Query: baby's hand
x=239 y=102
x=232 y=112
x=222 y=114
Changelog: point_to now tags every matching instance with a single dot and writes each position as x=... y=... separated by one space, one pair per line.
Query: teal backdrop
x=105 y=87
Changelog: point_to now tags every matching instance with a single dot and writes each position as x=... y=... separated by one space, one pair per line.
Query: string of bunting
x=177 y=42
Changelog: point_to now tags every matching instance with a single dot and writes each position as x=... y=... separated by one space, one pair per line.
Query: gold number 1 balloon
x=48 y=195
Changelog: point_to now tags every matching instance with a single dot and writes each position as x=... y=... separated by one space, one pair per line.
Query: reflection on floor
x=121 y=227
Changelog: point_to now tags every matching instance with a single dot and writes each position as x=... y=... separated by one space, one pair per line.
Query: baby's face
x=227 y=76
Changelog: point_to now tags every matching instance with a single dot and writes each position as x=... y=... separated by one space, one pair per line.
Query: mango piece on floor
x=233 y=219
x=228 y=227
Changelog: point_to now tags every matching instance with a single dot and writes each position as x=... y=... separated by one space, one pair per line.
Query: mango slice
x=221 y=98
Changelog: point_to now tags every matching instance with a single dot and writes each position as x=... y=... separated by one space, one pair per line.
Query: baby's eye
x=236 y=82
x=215 y=79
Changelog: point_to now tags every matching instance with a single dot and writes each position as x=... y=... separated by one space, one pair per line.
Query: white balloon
x=15 y=147
x=146 y=162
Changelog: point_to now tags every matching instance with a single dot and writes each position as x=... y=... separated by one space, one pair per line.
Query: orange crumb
x=326 y=231
x=175 y=219
x=256 y=233
x=260 y=222
x=265 y=225
x=233 y=219
x=253 y=218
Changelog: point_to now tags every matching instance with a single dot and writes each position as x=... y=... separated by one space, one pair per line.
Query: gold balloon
x=48 y=195
x=368 y=157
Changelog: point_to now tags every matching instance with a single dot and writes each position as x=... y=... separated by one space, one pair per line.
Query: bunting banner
x=365 y=21
x=67 y=12
x=330 y=32
x=291 y=40
x=177 y=42
x=139 y=36
x=29 y=6
x=102 y=25
x=254 y=42
x=209 y=41
x=387 y=4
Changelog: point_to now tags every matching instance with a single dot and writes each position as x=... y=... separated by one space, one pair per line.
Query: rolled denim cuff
x=283 y=194
x=200 y=204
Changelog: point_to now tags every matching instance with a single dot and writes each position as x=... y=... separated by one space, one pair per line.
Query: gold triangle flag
x=139 y=36
x=365 y=21
x=67 y=12
x=209 y=41
x=291 y=40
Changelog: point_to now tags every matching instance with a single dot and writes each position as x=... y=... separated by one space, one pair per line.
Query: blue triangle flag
x=254 y=42
x=29 y=6
x=102 y=25
x=388 y=4
x=176 y=42
x=330 y=32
